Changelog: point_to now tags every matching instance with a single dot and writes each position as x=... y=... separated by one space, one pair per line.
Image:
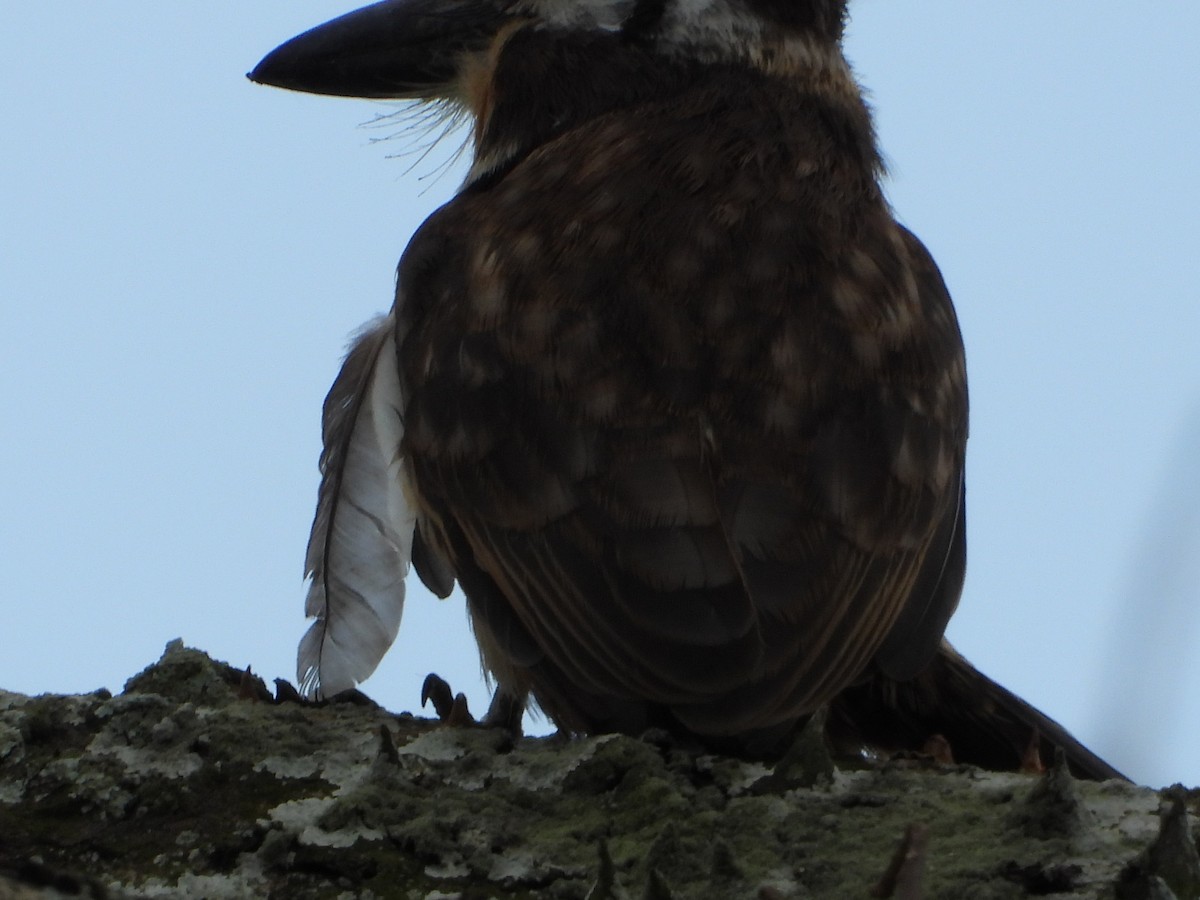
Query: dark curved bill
x=395 y=49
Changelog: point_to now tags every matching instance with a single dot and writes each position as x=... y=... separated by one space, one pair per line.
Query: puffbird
x=666 y=388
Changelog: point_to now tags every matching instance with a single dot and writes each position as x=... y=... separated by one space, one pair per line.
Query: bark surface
x=196 y=782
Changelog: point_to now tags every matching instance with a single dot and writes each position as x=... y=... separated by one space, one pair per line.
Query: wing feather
x=360 y=547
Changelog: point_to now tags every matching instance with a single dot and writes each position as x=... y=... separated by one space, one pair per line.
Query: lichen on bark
x=196 y=782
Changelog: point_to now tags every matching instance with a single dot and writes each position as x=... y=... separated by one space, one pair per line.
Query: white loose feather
x=361 y=542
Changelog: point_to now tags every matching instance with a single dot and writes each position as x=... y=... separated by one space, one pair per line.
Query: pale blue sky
x=184 y=254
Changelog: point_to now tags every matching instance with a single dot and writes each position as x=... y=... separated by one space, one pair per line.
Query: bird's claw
x=505 y=711
x=437 y=690
x=451 y=708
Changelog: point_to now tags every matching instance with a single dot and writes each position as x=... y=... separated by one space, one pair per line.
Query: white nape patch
x=605 y=15
x=725 y=30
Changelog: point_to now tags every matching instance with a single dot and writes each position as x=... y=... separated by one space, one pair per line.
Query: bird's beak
x=397 y=49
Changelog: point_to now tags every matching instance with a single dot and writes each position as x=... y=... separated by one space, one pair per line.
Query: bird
x=666 y=388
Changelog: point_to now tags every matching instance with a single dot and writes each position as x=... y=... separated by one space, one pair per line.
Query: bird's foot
x=505 y=711
x=285 y=692
x=451 y=708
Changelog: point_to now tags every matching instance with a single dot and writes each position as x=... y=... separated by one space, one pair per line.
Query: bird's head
x=528 y=68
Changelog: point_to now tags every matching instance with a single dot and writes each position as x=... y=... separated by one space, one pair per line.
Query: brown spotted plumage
x=683 y=407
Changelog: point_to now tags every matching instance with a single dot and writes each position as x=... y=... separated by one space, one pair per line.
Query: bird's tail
x=983 y=723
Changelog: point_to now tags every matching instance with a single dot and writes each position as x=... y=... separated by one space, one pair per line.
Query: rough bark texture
x=194 y=782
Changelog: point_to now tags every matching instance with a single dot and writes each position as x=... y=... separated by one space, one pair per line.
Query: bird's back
x=686 y=408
